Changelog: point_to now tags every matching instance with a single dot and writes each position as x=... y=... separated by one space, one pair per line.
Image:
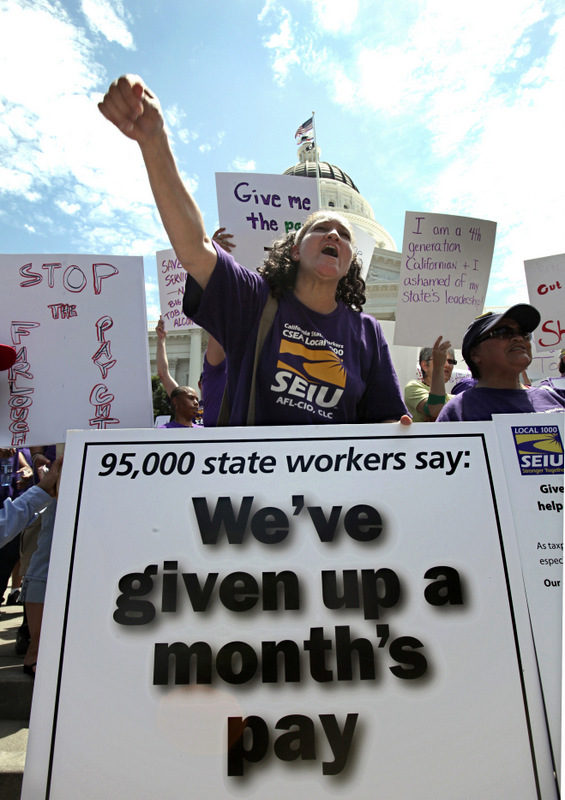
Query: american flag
x=305 y=132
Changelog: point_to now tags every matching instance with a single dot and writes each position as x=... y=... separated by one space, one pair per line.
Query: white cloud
x=108 y=18
x=174 y=115
x=243 y=165
x=485 y=105
x=336 y=16
x=56 y=146
x=68 y=208
x=282 y=43
x=269 y=5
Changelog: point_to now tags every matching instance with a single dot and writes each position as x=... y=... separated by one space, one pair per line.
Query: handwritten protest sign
x=532 y=451
x=258 y=209
x=546 y=289
x=78 y=323
x=172 y=279
x=444 y=275
x=275 y=619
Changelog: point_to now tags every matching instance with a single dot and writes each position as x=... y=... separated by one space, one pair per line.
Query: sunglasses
x=451 y=361
x=505 y=332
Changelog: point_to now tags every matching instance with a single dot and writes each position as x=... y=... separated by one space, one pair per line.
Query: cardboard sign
x=444 y=275
x=258 y=209
x=171 y=277
x=277 y=612
x=546 y=288
x=78 y=323
x=532 y=452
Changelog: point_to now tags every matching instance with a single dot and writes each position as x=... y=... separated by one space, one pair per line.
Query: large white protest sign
x=258 y=209
x=171 y=276
x=277 y=612
x=546 y=288
x=532 y=452
x=443 y=278
x=78 y=323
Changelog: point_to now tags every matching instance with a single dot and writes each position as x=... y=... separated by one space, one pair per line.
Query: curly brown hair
x=279 y=269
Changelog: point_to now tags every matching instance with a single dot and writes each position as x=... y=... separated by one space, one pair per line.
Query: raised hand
x=132 y=108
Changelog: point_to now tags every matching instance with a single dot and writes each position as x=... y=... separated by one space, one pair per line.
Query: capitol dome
x=338 y=191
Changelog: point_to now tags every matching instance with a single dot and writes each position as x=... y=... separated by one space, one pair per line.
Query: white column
x=195 y=365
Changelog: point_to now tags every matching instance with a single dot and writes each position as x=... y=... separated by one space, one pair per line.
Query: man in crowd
x=425 y=399
x=185 y=404
x=497 y=349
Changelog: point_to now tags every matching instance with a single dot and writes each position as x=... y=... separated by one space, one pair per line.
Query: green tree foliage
x=161 y=403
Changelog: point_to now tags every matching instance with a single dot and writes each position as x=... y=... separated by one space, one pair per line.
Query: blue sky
x=429 y=105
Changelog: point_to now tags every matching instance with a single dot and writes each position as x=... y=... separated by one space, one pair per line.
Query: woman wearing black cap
x=497 y=349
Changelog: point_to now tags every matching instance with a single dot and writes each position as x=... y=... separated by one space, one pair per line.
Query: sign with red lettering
x=546 y=288
x=78 y=324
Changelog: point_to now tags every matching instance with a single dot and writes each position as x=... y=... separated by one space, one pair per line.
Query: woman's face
x=509 y=355
x=326 y=249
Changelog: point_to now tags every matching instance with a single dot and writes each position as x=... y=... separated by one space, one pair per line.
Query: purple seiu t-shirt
x=174 y=424
x=213 y=383
x=480 y=403
x=314 y=368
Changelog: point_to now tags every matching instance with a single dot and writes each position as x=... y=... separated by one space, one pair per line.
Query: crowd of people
x=289 y=344
x=27 y=514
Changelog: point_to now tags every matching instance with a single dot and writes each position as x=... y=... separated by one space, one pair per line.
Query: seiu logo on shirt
x=539 y=449
x=315 y=377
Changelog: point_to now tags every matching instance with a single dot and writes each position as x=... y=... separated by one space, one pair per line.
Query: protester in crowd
x=212 y=380
x=183 y=399
x=425 y=399
x=184 y=403
x=497 y=349
x=34 y=586
x=17 y=476
x=322 y=360
x=42 y=457
x=16 y=514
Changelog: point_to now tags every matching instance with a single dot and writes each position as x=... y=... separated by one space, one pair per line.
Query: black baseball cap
x=527 y=317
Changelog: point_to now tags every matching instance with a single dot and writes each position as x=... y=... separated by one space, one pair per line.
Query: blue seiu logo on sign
x=539 y=449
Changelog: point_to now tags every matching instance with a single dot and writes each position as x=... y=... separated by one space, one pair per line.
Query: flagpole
x=317 y=161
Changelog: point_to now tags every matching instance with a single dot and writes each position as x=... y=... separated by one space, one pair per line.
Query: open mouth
x=330 y=250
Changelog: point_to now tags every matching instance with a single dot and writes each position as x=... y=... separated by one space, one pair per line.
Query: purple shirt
x=213 y=383
x=314 y=368
x=480 y=403
x=174 y=424
x=463 y=385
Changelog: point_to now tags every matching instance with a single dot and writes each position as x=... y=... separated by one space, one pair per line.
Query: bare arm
x=169 y=383
x=135 y=110
x=437 y=384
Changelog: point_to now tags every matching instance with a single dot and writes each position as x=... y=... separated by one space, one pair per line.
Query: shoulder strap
x=265 y=324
